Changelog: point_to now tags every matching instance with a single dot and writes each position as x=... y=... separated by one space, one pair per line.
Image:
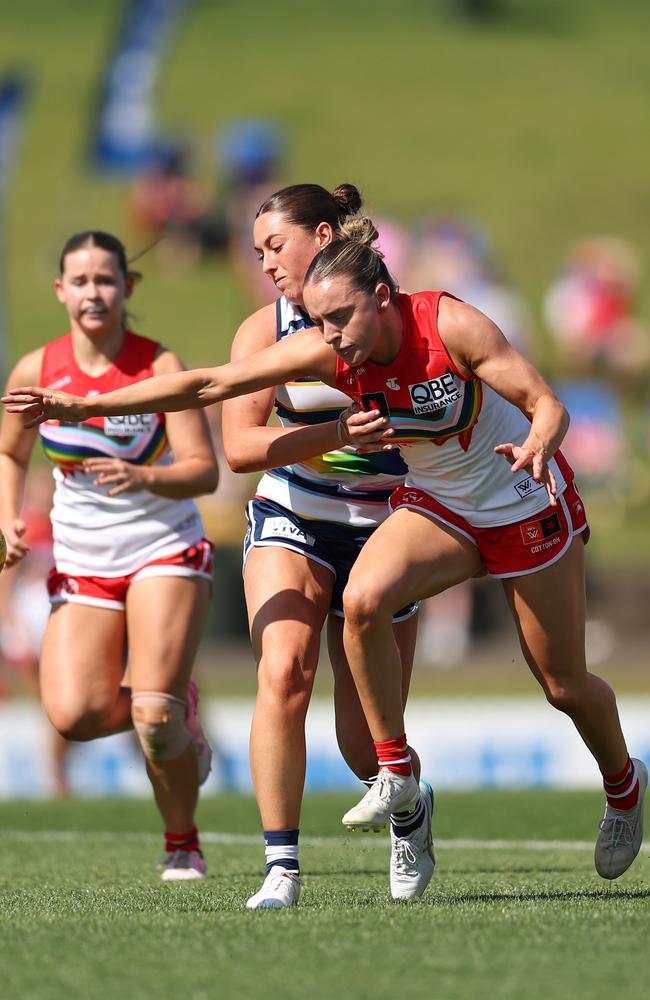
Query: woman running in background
x=132 y=567
x=487 y=491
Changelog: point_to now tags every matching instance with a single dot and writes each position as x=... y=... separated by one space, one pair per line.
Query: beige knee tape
x=159 y=721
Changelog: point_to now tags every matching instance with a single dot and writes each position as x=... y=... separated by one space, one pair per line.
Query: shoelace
x=404 y=856
x=382 y=788
x=275 y=881
x=619 y=831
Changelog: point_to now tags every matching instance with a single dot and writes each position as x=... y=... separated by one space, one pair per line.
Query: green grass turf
x=87 y=917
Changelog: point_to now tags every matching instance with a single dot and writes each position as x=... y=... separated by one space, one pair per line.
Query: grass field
x=515 y=910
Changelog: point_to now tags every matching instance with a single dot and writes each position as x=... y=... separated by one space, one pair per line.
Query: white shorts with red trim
x=110 y=592
x=510 y=549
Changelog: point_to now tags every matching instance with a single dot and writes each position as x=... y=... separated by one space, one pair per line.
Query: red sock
x=395 y=755
x=182 y=841
x=622 y=789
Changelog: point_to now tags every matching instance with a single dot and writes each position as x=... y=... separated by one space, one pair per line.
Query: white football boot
x=281 y=888
x=621 y=832
x=180 y=866
x=412 y=861
x=389 y=793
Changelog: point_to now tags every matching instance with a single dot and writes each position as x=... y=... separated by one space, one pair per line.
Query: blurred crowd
x=587 y=336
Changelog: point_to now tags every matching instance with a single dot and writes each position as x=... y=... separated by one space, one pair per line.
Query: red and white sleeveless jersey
x=447 y=424
x=96 y=534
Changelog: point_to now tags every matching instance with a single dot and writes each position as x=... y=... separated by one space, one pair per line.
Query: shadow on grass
x=546 y=896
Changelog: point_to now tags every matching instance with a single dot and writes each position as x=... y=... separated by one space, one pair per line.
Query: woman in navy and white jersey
x=312 y=512
x=132 y=565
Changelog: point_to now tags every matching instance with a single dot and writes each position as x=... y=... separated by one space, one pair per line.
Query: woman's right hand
x=37 y=405
x=17 y=549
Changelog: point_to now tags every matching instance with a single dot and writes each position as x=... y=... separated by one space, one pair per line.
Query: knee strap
x=159 y=721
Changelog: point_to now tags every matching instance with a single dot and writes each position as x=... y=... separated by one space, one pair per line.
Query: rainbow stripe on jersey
x=67 y=445
x=340 y=486
x=95 y=533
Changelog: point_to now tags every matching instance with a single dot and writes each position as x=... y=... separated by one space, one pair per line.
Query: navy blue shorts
x=333 y=545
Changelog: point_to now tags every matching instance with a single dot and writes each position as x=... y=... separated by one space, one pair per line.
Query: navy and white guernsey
x=341 y=486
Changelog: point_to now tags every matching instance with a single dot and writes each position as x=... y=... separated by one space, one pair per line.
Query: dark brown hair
x=105 y=241
x=307 y=205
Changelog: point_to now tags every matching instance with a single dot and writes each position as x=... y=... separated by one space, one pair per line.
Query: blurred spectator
x=249 y=158
x=395 y=244
x=455 y=254
x=169 y=202
x=590 y=312
x=595 y=444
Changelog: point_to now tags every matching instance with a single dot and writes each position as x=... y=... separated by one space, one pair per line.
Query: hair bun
x=360 y=229
x=348 y=198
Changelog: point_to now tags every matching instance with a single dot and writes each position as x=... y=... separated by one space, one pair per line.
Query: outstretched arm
x=302 y=353
x=250 y=444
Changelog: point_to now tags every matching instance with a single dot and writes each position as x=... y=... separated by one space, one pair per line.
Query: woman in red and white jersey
x=487 y=491
x=132 y=567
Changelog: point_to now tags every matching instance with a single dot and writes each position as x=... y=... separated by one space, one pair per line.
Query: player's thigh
x=165 y=617
x=287 y=597
x=549 y=611
x=410 y=556
x=82 y=658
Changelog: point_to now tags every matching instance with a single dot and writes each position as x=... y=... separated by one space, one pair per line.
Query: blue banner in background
x=126 y=140
x=14 y=89
x=13 y=93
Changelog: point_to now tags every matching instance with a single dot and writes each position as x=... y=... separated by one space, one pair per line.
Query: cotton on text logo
x=435 y=394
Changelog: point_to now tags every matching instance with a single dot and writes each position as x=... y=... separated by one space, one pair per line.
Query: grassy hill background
x=535 y=124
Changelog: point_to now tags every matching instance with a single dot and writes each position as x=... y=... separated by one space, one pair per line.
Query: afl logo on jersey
x=435 y=394
x=132 y=426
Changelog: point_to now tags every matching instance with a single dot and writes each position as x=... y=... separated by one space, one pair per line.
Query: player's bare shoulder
x=467 y=333
x=167 y=361
x=255 y=333
x=27 y=370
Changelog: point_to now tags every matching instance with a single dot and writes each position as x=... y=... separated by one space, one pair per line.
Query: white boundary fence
x=463 y=743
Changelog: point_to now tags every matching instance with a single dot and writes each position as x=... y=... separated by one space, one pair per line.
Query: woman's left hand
x=531 y=455
x=128 y=478
x=366 y=430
